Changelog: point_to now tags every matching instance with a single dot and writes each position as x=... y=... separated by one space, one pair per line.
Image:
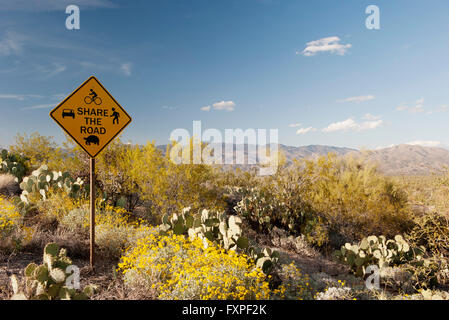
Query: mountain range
x=401 y=159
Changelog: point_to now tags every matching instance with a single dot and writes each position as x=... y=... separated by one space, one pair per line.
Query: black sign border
x=65 y=100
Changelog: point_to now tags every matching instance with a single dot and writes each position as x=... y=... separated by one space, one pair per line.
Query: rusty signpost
x=93 y=118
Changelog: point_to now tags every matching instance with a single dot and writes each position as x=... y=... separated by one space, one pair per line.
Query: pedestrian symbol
x=115 y=114
x=91 y=116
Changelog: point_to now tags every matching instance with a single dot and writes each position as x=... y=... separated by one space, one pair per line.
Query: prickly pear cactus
x=42 y=179
x=10 y=163
x=48 y=280
x=221 y=229
x=378 y=251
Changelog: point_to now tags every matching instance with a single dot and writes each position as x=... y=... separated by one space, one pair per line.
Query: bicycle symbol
x=96 y=100
x=88 y=99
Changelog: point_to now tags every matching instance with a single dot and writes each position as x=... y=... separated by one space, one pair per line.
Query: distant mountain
x=410 y=159
x=312 y=151
x=398 y=160
x=290 y=152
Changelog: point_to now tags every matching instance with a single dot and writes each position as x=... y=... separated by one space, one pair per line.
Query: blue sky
x=311 y=69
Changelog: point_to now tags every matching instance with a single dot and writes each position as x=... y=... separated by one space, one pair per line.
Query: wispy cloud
x=19 y=97
x=126 y=68
x=52 y=5
x=12 y=43
x=417 y=107
x=294 y=125
x=39 y=106
x=329 y=44
x=424 y=143
x=222 y=105
x=443 y=108
x=351 y=125
x=357 y=99
x=55 y=69
x=305 y=130
x=369 y=116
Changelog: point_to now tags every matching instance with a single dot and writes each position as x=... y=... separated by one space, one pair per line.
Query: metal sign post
x=92 y=212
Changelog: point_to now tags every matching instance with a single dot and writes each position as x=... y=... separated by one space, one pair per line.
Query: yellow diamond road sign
x=91 y=116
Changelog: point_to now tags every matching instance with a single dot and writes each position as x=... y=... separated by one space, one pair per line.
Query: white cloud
x=12 y=43
x=424 y=143
x=357 y=99
x=305 y=130
x=384 y=147
x=222 y=105
x=369 y=116
x=368 y=125
x=294 y=125
x=329 y=44
x=126 y=68
x=417 y=107
x=350 y=124
x=443 y=108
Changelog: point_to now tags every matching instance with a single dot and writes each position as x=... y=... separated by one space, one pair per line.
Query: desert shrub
x=295 y=285
x=177 y=268
x=13 y=233
x=277 y=201
x=168 y=187
x=37 y=150
x=336 y=291
x=352 y=198
x=10 y=218
x=114 y=229
x=8 y=185
x=114 y=174
x=432 y=231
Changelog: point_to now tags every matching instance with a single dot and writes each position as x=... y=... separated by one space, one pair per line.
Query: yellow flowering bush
x=114 y=230
x=12 y=231
x=10 y=218
x=176 y=268
x=295 y=285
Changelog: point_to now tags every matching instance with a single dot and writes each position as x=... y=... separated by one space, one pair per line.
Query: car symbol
x=68 y=113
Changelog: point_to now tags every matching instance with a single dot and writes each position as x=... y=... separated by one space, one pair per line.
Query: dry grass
x=8 y=185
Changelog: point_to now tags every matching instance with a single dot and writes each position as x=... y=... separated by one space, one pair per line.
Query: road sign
x=91 y=116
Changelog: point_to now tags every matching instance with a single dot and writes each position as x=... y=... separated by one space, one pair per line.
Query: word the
x=92 y=120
